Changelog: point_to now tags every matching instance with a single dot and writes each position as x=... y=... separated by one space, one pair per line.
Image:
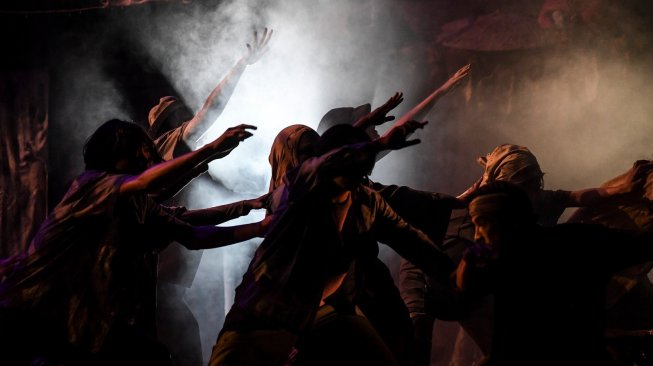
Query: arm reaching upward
x=217 y=100
x=379 y=115
x=421 y=109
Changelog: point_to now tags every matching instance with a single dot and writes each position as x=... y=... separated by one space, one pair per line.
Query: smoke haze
x=583 y=108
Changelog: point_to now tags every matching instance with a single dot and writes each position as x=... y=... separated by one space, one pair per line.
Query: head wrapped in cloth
x=514 y=164
x=503 y=201
x=160 y=113
x=289 y=149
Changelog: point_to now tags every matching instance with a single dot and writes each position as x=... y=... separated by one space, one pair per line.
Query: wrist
x=378 y=144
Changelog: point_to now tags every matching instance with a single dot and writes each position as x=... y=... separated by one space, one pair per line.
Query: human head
x=339 y=136
x=500 y=211
x=512 y=163
x=345 y=116
x=168 y=114
x=120 y=147
x=292 y=146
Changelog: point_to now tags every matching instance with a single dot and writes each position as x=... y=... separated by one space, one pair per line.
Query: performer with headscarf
x=518 y=165
x=549 y=283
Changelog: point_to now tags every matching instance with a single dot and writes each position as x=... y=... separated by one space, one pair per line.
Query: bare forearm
x=215 y=104
x=207 y=237
x=216 y=215
x=179 y=183
x=160 y=176
x=424 y=107
x=363 y=122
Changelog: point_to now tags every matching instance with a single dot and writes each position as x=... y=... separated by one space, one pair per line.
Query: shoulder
x=171 y=144
x=96 y=183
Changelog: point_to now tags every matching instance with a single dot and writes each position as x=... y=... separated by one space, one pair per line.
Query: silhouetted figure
x=376 y=292
x=549 y=283
x=303 y=260
x=85 y=292
x=508 y=163
x=176 y=131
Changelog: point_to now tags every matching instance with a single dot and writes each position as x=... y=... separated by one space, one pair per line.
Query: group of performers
x=315 y=291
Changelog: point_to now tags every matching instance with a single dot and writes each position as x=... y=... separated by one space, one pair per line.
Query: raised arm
x=352 y=156
x=217 y=100
x=424 y=107
x=158 y=177
x=315 y=171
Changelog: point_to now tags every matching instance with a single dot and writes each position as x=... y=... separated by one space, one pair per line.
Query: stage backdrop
x=23 y=157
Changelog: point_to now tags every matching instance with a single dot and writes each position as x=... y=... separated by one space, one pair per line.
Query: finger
x=410 y=143
x=260 y=40
x=264 y=42
x=389 y=118
x=414 y=125
x=245 y=126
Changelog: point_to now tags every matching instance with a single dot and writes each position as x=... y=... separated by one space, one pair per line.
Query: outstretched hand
x=258 y=47
x=379 y=115
x=396 y=137
x=637 y=176
x=259 y=202
x=231 y=139
x=455 y=79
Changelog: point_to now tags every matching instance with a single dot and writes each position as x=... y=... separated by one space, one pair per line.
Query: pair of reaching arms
x=205 y=234
x=201 y=233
